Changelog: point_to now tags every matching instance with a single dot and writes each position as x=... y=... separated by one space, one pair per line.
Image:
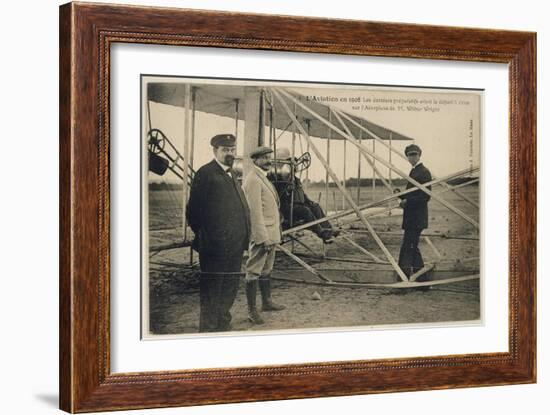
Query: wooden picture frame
x=86 y=33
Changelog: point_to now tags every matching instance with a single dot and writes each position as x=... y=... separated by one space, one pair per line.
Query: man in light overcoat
x=265 y=233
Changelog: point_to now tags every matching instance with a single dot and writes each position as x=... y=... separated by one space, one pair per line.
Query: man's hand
x=269 y=244
x=402 y=203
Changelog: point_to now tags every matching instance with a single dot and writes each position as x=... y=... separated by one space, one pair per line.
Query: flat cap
x=225 y=140
x=413 y=148
x=260 y=151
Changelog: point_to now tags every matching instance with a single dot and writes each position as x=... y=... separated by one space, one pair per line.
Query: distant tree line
x=155 y=186
x=367 y=182
x=351 y=182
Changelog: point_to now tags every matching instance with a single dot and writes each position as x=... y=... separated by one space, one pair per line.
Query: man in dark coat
x=415 y=213
x=218 y=214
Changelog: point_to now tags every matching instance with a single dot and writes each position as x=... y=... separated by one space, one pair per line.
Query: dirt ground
x=173 y=284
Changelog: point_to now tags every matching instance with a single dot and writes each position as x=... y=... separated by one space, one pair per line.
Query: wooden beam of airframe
x=371 y=162
x=369 y=132
x=460 y=194
x=381 y=201
x=365 y=222
x=362 y=148
x=303 y=263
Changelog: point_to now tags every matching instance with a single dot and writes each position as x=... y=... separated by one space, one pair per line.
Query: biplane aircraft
x=270 y=112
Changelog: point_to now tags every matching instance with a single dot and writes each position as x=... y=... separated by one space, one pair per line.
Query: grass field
x=174 y=303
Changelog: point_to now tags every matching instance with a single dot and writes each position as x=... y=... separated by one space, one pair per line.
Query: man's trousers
x=219 y=284
x=260 y=261
x=309 y=212
x=410 y=259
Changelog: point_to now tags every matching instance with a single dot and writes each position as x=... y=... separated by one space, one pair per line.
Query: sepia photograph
x=273 y=206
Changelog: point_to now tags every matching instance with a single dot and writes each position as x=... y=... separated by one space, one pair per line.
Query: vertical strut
x=186 y=139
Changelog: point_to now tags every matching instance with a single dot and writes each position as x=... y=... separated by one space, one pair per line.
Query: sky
x=446 y=124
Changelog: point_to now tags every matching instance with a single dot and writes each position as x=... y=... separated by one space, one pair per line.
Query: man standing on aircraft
x=415 y=213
